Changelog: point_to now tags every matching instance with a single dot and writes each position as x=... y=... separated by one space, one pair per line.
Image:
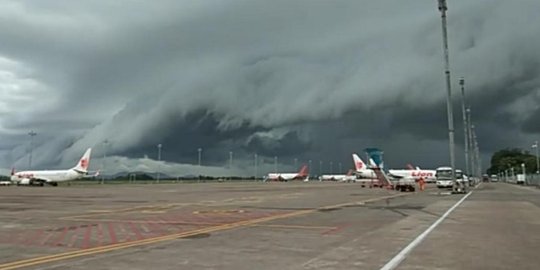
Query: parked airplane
x=416 y=174
x=303 y=174
x=51 y=177
x=361 y=169
x=349 y=177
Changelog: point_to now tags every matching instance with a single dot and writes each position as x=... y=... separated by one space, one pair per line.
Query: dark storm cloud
x=296 y=79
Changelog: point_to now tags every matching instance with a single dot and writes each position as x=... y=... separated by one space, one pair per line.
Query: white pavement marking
x=392 y=264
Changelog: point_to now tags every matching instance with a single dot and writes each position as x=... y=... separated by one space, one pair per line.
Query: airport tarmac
x=314 y=225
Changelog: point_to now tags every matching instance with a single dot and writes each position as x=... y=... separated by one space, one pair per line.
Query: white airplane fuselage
x=285 y=176
x=428 y=175
x=337 y=177
x=53 y=177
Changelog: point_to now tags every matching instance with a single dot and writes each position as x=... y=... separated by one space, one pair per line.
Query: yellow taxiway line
x=113 y=247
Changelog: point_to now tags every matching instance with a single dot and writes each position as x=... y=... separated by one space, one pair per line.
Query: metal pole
x=230 y=159
x=309 y=168
x=105 y=142
x=476 y=156
x=469 y=140
x=255 y=167
x=295 y=163
x=275 y=164
x=474 y=146
x=524 y=173
x=320 y=167
x=443 y=8
x=159 y=161
x=199 y=150
x=480 y=170
x=32 y=134
x=331 y=167
x=535 y=145
x=465 y=125
x=339 y=165
x=513 y=174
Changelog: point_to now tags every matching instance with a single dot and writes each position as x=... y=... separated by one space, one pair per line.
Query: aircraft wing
x=91 y=174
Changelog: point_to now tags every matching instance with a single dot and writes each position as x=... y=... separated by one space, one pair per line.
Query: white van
x=444 y=177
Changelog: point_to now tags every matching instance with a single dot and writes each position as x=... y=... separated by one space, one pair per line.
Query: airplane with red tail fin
x=53 y=177
x=303 y=174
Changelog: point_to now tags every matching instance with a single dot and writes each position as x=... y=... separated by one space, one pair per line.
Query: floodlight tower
x=159 y=146
x=105 y=142
x=230 y=159
x=443 y=8
x=465 y=125
x=469 y=141
x=199 y=150
x=535 y=145
x=275 y=164
x=256 y=157
x=32 y=134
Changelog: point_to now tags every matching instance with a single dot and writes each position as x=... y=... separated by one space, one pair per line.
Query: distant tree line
x=509 y=158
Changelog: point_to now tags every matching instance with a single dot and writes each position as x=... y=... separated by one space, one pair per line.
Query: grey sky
x=298 y=79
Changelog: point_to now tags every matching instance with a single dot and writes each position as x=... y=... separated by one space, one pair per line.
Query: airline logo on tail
x=84 y=162
x=303 y=171
x=358 y=163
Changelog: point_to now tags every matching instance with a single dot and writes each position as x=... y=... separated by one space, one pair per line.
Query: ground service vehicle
x=444 y=177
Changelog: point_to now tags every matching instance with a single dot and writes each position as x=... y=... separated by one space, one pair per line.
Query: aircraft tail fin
x=350 y=172
x=417 y=168
x=359 y=165
x=84 y=162
x=372 y=163
x=410 y=167
x=12 y=171
x=303 y=171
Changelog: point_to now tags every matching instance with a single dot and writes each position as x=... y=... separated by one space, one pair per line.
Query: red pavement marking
x=136 y=230
x=171 y=223
x=100 y=234
x=74 y=236
x=28 y=237
x=47 y=238
x=188 y=218
x=157 y=225
x=112 y=234
x=37 y=237
x=336 y=229
x=60 y=238
x=87 y=234
x=121 y=229
x=144 y=227
x=197 y=218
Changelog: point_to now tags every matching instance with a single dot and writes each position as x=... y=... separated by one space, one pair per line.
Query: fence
x=530 y=180
x=533 y=180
